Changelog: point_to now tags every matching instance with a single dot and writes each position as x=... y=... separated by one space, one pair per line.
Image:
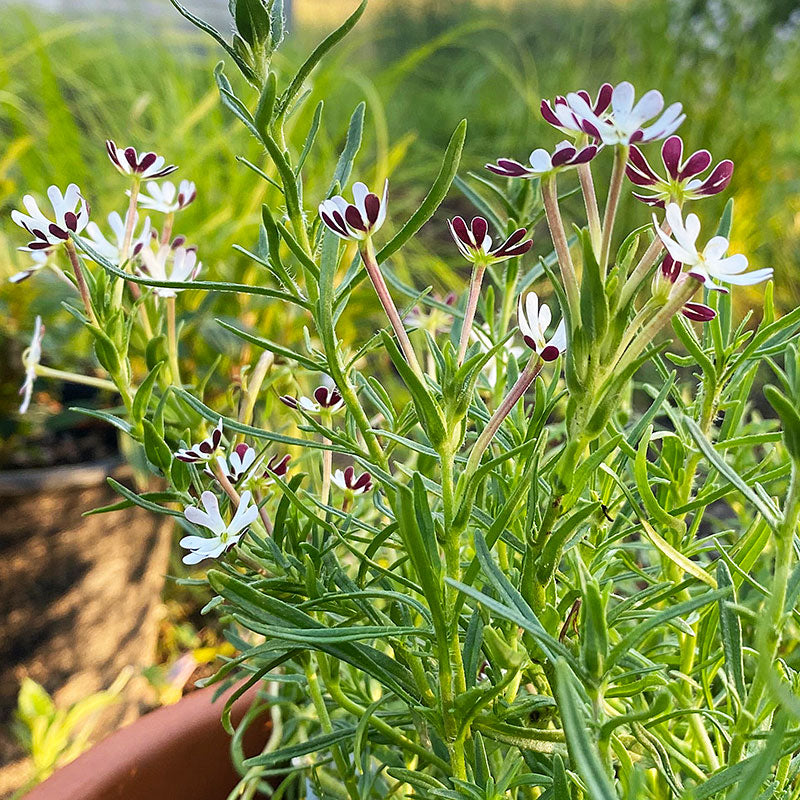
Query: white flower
x=225 y=535
x=166 y=198
x=204 y=451
x=475 y=244
x=111 y=249
x=40 y=259
x=31 y=358
x=533 y=320
x=712 y=262
x=237 y=462
x=326 y=398
x=348 y=482
x=565 y=155
x=622 y=122
x=71 y=216
x=356 y=220
x=143 y=165
x=184 y=267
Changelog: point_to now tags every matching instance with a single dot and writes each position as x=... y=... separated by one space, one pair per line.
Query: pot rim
x=155 y=748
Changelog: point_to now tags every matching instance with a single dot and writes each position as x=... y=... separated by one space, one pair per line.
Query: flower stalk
x=560 y=243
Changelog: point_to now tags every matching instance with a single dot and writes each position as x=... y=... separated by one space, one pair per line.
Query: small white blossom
x=166 y=198
x=30 y=359
x=71 y=216
x=225 y=534
x=110 y=249
x=623 y=122
x=711 y=263
x=325 y=399
x=346 y=480
x=205 y=451
x=359 y=219
x=183 y=262
x=475 y=244
x=143 y=165
x=533 y=320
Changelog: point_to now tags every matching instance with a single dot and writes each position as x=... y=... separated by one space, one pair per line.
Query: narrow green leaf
x=583 y=752
x=433 y=199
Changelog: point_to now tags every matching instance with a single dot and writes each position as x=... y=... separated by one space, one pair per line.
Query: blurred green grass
x=67 y=84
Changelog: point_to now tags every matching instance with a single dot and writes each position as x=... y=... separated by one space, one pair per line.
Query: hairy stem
x=469 y=313
x=558 y=235
x=590 y=202
x=172 y=342
x=612 y=203
x=382 y=290
x=83 y=289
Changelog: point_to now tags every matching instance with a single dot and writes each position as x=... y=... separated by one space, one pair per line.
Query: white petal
x=622 y=99
x=540 y=161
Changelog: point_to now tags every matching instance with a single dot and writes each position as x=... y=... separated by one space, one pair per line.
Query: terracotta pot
x=178 y=752
x=80 y=597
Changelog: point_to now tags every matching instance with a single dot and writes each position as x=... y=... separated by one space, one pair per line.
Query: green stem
x=526 y=378
x=472 y=303
x=172 y=342
x=560 y=244
x=317 y=698
x=646 y=262
x=771 y=625
x=83 y=289
x=590 y=203
x=367 y=252
x=254 y=383
x=614 y=191
x=74 y=377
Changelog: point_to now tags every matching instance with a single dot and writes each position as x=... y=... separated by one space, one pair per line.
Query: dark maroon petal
x=480 y=227
x=563 y=155
x=656 y=202
x=321 y=395
x=718 y=180
x=585 y=155
x=130 y=157
x=698 y=312
x=39 y=245
x=241 y=449
x=372 y=204
x=588 y=127
x=59 y=233
x=349 y=474
x=549 y=115
x=670 y=268
x=696 y=163
x=636 y=177
x=290 y=401
x=508 y=167
x=333 y=225
x=461 y=230
x=111 y=148
x=517 y=236
x=71 y=221
x=334 y=397
x=585 y=96
x=603 y=98
x=39 y=234
x=519 y=250
x=353 y=218
x=638 y=162
x=205 y=447
x=364 y=482
x=216 y=437
x=671 y=155
x=146 y=161
x=638 y=136
x=550 y=353
x=530 y=342
x=185 y=457
x=165 y=171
